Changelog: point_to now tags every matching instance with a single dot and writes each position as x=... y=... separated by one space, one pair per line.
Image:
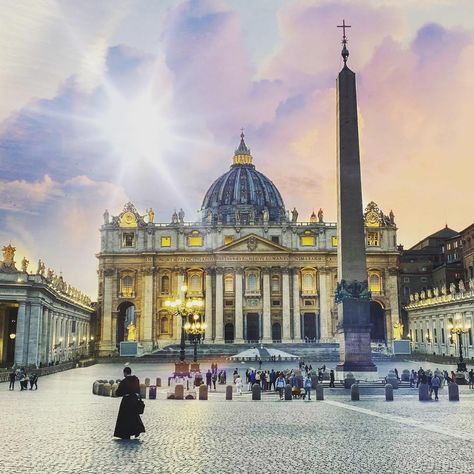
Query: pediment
x=253 y=243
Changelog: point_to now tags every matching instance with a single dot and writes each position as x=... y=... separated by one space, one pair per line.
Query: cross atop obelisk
x=345 y=51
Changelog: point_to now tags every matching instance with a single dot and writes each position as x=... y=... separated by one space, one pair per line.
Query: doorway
x=253 y=329
x=377 y=319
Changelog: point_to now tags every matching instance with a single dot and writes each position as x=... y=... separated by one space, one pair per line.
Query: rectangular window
x=470 y=336
x=165 y=241
x=406 y=279
x=229 y=302
x=443 y=339
x=411 y=335
x=373 y=239
x=424 y=279
x=416 y=335
x=128 y=239
x=194 y=240
x=228 y=239
x=275 y=302
x=422 y=336
x=307 y=240
x=435 y=336
x=334 y=241
x=73 y=326
x=275 y=239
x=308 y=302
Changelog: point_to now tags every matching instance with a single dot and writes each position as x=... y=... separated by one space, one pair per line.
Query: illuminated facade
x=263 y=275
x=43 y=320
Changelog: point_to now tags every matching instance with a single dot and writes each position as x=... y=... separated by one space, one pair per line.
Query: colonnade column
x=34 y=340
x=147 y=312
x=296 y=306
x=267 y=316
x=324 y=306
x=219 y=305
x=392 y=289
x=286 y=333
x=208 y=308
x=21 y=334
x=239 y=316
x=106 y=345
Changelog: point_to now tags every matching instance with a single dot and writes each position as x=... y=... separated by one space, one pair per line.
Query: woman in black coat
x=128 y=420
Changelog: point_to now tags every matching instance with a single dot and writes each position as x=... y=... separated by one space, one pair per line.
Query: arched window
x=228 y=284
x=165 y=285
x=375 y=283
x=126 y=286
x=164 y=326
x=275 y=285
x=252 y=283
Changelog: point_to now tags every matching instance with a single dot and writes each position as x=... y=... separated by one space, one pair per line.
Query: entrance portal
x=309 y=326
x=377 y=319
x=125 y=317
x=253 y=329
x=276 y=332
x=8 y=318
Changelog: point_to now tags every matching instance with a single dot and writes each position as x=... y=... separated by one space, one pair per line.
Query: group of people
x=22 y=377
x=212 y=377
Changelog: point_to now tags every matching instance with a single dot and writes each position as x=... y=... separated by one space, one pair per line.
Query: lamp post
x=195 y=329
x=456 y=327
x=185 y=308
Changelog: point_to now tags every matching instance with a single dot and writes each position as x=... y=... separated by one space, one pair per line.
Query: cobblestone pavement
x=63 y=428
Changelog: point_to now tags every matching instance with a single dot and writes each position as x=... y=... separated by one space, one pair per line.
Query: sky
x=133 y=100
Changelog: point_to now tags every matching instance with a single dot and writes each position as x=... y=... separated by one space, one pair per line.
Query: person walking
x=12 y=377
x=23 y=379
x=412 y=378
x=471 y=378
x=331 y=379
x=307 y=382
x=33 y=381
x=435 y=384
x=214 y=380
x=238 y=384
x=208 y=379
x=128 y=422
x=280 y=385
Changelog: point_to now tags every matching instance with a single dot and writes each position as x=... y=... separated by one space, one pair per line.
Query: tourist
x=273 y=378
x=33 y=381
x=435 y=384
x=247 y=373
x=214 y=379
x=12 y=377
x=258 y=377
x=421 y=373
x=238 y=384
x=235 y=374
x=267 y=380
x=453 y=376
x=331 y=379
x=320 y=374
x=23 y=379
x=412 y=378
x=208 y=378
x=129 y=422
x=307 y=387
x=471 y=378
x=280 y=385
x=396 y=373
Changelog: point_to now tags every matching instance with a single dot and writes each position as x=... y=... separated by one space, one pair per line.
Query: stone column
x=177 y=319
x=324 y=304
x=106 y=345
x=391 y=288
x=267 y=317
x=21 y=340
x=296 y=306
x=147 y=311
x=208 y=308
x=286 y=333
x=34 y=340
x=239 y=315
x=219 y=305
x=44 y=336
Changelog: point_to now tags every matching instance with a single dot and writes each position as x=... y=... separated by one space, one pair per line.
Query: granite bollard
x=355 y=395
x=203 y=393
x=147 y=381
x=95 y=388
x=288 y=392
x=228 y=392
x=349 y=380
x=158 y=381
x=453 y=392
x=114 y=390
x=106 y=389
x=179 y=392
x=388 y=392
x=405 y=375
x=314 y=381
x=142 y=390
x=423 y=392
x=100 y=389
x=256 y=392
x=319 y=392
x=392 y=379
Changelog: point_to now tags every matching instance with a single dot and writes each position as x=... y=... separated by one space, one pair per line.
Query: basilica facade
x=261 y=273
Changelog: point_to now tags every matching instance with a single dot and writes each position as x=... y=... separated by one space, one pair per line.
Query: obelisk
x=352 y=296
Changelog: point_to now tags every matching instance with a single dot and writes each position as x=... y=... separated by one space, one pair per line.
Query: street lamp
x=456 y=327
x=185 y=308
x=195 y=329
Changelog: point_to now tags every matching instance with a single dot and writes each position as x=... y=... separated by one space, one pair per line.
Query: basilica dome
x=243 y=194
